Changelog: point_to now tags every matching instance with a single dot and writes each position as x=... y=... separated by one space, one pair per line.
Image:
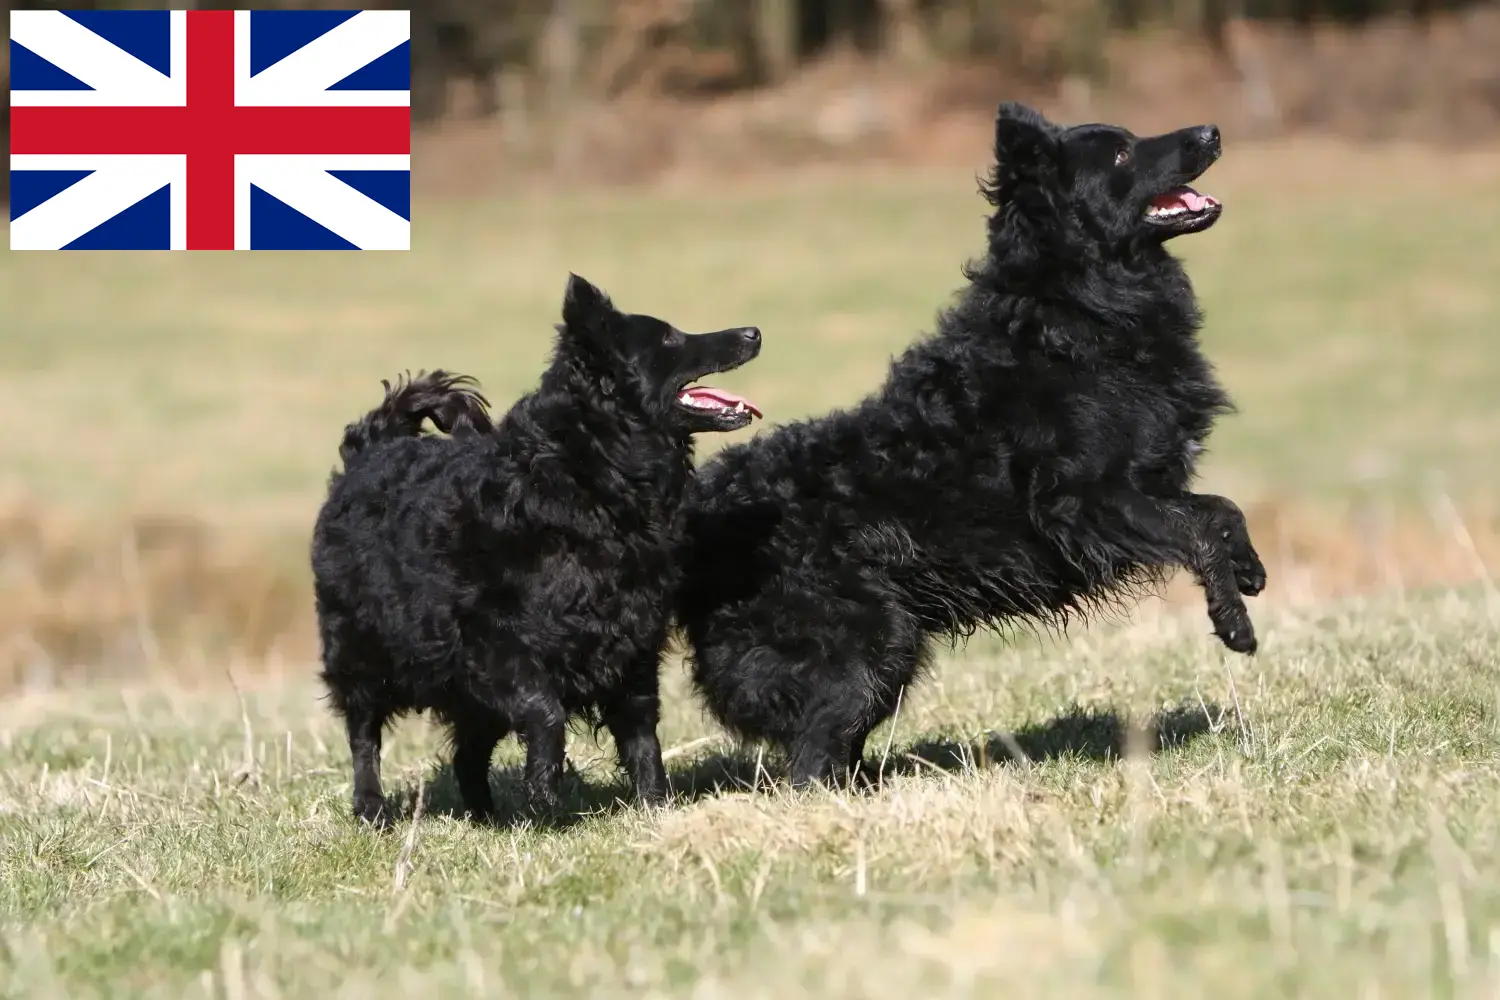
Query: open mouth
x=707 y=399
x=1182 y=208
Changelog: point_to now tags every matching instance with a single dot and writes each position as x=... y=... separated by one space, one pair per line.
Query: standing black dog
x=511 y=577
x=1031 y=461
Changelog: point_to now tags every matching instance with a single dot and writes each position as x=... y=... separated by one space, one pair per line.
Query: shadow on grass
x=580 y=799
x=1077 y=734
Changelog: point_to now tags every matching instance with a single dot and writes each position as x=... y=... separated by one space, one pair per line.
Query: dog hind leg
x=829 y=744
x=543 y=725
x=822 y=746
x=857 y=753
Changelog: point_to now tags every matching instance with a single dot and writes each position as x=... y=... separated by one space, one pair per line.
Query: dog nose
x=1209 y=135
x=751 y=334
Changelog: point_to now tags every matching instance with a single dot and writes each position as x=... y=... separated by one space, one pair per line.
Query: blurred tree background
x=536 y=53
x=620 y=90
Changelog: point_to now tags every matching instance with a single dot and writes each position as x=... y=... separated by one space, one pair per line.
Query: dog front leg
x=1126 y=527
x=631 y=717
x=1222 y=519
x=1215 y=570
x=365 y=724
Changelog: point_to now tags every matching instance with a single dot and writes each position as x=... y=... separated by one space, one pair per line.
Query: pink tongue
x=1187 y=198
x=721 y=396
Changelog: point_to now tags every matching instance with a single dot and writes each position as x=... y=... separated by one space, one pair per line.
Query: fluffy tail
x=452 y=402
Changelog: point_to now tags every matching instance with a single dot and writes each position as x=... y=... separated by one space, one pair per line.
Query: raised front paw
x=1233 y=627
x=1233 y=534
x=1240 y=640
x=1249 y=575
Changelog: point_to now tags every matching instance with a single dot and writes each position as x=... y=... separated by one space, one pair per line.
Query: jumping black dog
x=1031 y=461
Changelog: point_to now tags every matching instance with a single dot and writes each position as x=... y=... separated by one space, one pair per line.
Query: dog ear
x=1025 y=142
x=585 y=306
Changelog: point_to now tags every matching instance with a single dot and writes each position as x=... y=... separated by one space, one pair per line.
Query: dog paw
x=544 y=804
x=1250 y=578
x=1239 y=637
x=652 y=788
x=372 y=809
x=866 y=777
x=1232 y=624
x=652 y=798
x=482 y=815
x=1234 y=539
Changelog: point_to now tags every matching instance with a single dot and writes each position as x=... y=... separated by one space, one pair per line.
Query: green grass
x=1319 y=821
x=1351 y=300
x=1325 y=828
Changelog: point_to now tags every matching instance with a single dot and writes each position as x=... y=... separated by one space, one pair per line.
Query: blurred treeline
x=555 y=50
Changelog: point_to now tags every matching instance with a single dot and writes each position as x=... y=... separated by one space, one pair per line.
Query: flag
x=210 y=130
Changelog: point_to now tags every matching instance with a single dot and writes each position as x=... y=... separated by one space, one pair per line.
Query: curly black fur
x=453 y=403
x=510 y=577
x=1028 y=464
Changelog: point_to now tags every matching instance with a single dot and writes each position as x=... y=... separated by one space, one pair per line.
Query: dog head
x=651 y=365
x=1101 y=184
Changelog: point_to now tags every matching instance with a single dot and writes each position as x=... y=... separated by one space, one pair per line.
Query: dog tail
x=452 y=402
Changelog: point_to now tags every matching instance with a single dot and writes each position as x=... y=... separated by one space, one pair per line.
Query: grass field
x=1320 y=823
x=1126 y=812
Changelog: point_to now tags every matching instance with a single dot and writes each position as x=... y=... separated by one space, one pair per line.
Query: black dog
x=512 y=577
x=1028 y=463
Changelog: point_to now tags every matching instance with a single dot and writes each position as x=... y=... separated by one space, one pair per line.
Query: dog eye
x=1122 y=156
